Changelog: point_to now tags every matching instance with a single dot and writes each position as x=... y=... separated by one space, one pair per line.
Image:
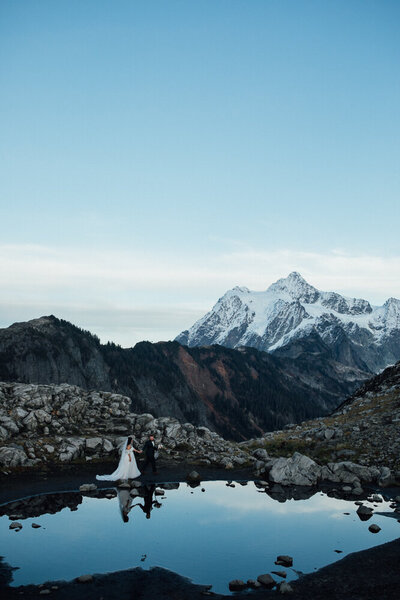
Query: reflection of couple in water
x=127 y=467
x=125 y=502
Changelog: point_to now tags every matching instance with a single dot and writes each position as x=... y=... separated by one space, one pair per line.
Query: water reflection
x=211 y=534
x=148 y=503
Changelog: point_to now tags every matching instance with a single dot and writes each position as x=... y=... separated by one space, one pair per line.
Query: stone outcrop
x=297 y=470
x=300 y=470
x=45 y=424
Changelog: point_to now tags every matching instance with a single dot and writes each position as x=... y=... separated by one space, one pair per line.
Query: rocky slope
x=358 y=335
x=238 y=393
x=365 y=429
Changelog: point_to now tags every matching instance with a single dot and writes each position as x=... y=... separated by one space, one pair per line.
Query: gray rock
x=12 y=457
x=284 y=560
x=236 y=585
x=285 y=588
x=374 y=528
x=329 y=433
x=94 y=444
x=253 y=584
x=261 y=454
x=364 y=512
x=193 y=476
x=266 y=580
x=376 y=498
x=297 y=470
x=88 y=487
x=15 y=525
x=385 y=477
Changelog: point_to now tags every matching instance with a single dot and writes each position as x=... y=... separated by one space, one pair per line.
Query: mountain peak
x=296 y=287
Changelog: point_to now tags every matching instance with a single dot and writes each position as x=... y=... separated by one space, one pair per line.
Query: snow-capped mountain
x=357 y=334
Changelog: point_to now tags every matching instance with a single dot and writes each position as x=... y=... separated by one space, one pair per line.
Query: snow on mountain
x=357 y=333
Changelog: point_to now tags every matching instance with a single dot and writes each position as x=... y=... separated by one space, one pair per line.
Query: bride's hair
x=129 y=441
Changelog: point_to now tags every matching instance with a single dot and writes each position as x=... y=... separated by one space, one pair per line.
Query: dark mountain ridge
x=238 y=393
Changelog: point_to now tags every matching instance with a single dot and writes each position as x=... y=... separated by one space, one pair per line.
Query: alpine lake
x=211 y=533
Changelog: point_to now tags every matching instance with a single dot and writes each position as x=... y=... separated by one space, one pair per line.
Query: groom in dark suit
x=149 y=448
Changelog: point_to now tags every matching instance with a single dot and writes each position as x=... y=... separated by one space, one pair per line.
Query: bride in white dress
x=127 y=467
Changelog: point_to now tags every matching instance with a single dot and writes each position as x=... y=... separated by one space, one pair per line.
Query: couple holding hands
x=127 y=467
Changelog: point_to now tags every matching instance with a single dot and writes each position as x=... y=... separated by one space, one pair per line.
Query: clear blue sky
x=154 y=154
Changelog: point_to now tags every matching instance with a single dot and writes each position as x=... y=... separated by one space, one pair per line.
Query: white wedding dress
x=127 y=467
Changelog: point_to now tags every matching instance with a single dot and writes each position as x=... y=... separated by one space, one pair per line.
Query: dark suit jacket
x=149 y=449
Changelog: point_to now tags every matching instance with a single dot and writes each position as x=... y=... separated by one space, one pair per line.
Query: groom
x=149 y=448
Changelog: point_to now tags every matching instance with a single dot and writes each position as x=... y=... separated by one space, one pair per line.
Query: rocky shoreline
x=45 y=426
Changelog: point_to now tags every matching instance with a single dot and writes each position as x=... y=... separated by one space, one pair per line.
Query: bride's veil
x=122 y=447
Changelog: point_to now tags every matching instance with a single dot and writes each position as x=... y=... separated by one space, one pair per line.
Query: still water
x=210 y=536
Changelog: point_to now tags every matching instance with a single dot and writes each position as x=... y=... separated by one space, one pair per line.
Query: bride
x=127 y=467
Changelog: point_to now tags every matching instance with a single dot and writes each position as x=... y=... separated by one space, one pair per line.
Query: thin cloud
x=126 y=296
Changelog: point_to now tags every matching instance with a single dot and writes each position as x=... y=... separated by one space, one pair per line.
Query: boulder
x=253 y=584
x=88 y=487
x=107 y=446
x=285 y=588
x=94 y=444
x=385 y=478
x=12 y=457
x=284 y=560
x=364 y=512
x=297 y=470
x=373 y=528
x=237 y=585
x=193 y=477
x=260 y=454
x=266 y=580
x=30 y=422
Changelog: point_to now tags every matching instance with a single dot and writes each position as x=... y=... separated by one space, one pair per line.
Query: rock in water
x=284 y=560
x=266 y=580
x=193 y=476
x=364 y=512
x=88 y=487
x=374 y=528
x=237 y=585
